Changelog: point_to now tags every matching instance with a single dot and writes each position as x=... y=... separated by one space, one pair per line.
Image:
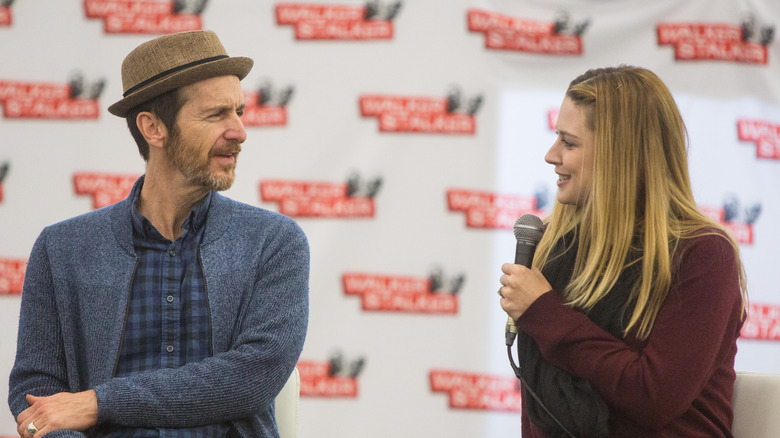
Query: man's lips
x=226 y=158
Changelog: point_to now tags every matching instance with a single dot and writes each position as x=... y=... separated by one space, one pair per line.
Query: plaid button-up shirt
x=168 y=314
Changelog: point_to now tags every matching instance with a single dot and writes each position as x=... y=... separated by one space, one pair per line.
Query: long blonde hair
x=640 y=202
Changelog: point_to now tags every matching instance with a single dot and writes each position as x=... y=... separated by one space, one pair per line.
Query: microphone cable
x=528 y=389
x=528 y=231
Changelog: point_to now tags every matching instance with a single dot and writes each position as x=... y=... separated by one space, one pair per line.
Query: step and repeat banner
x=405 y=137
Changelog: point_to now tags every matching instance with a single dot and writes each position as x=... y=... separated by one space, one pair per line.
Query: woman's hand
x=520 y=288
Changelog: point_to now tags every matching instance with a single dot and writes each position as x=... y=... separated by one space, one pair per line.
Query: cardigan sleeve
x=693 y=335
x=244 y=380
x=39 y=367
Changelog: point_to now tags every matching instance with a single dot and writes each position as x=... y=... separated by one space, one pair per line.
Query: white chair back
x=287 y=406
x=756 y=405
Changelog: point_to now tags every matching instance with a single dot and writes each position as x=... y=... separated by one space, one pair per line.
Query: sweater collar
x=144 y=229
x=217 y=214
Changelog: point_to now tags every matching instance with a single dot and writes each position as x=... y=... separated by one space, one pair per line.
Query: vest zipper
x=127 y=313
x=208 y=302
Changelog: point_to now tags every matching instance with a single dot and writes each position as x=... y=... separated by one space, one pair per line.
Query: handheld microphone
x=528 y=232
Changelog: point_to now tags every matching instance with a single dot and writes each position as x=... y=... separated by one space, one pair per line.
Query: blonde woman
x=629 y=318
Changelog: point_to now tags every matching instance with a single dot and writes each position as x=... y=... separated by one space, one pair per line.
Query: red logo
x=266 y=106
x=12 y=276
x=374 y=21
x=742 y=43
x=491 y=210
x=6 y=18
x=353 y=199
x=766 y=136
x=502 y=32
x=3 y=173
x=740 y=225
x=105 y=189
x=30 y=100
x=763 y=322
x=392 y=293
x=552 y=118
x=452 y=114
x=334 y=378
x=146 y=16
x=477 y=391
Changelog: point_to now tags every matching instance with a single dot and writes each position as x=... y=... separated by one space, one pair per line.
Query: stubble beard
x=196 y=167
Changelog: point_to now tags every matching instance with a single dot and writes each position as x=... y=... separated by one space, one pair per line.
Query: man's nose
x=236 y=130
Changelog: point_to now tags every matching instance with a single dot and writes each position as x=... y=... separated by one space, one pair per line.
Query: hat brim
x=237 y=66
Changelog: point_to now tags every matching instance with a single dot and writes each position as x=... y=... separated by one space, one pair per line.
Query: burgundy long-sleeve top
x=678 y=382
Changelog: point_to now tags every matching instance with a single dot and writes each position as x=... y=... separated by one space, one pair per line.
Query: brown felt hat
x=173 y=61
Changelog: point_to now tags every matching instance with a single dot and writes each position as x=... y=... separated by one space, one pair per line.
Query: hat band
x=171 y=71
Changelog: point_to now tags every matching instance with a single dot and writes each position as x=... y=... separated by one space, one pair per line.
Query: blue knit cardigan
x=74 y=306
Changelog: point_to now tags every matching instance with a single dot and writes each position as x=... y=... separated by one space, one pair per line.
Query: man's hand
x=65 y=410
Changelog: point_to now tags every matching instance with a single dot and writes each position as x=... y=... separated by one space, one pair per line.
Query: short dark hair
x=165 y=106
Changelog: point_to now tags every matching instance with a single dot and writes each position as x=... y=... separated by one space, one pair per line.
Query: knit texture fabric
x=678 y=382
x=74 y=306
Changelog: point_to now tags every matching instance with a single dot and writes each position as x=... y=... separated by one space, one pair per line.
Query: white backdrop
x=407 y=205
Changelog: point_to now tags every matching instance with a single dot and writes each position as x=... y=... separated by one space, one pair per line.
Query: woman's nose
x=553 y=155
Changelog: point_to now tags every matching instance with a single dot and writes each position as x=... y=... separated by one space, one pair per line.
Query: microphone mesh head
x=529 y=229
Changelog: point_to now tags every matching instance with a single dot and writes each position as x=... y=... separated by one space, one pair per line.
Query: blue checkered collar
x=144 y=229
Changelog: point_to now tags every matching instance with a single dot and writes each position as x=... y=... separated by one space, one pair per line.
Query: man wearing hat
x=176 y=312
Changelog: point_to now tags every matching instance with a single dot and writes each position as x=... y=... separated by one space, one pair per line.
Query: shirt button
x=170 y=298
x=169 y=349
x=172 y=252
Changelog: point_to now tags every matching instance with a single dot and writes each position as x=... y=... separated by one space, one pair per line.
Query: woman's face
x=572 y=155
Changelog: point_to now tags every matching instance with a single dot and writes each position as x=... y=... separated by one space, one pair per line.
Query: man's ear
x=152 y=128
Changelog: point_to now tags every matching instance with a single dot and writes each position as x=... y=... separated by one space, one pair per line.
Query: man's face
x=205 y=142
